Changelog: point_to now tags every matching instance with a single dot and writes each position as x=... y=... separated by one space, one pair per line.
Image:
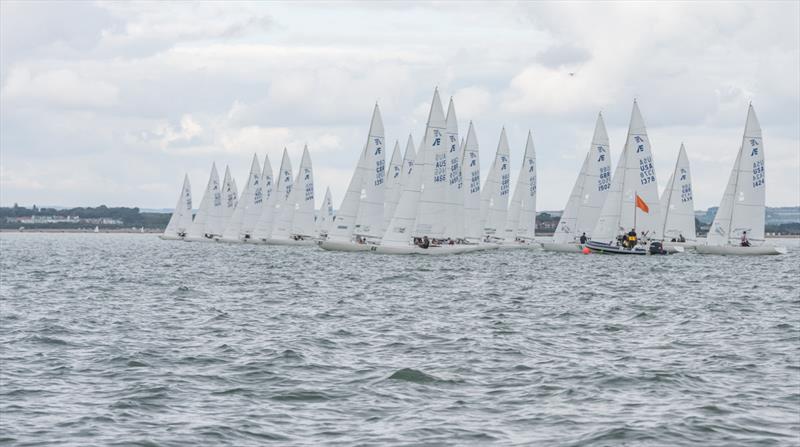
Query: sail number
x=646 y=172
x=504 y=181
x=758 y=173
x=440 y=168
x=686 y=193
x=604 y=182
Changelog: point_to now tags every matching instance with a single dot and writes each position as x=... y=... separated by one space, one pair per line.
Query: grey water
x=109 y=339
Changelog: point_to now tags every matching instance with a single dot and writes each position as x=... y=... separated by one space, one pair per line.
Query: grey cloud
x=563 y=55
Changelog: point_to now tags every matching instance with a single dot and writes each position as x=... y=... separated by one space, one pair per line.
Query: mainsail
x=521 y=219
x=455 y=195
x=743 y=204
x=494 y=197
x=471 y=171
x=248 y=208
x=397 y=177
x=263 y=226
x=229 y=198
x=208 y=220
x=303 y=191
x=590 y=190
x=325 y=215
x=431 y=164
x=369 y=220
x=181 y=218
x=284 y=207
x=344 y=222
x=635 y=176
x=677 y=204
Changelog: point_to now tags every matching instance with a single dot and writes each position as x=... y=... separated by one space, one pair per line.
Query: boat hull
x=732 y=250
x=292 y=242
x=439 y=250
x=517 y=245
x=169 y=237
x=344 y=246
x=202 y=239
x=562 y=247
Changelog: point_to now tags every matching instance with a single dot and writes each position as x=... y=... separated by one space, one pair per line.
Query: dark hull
x=599 y=247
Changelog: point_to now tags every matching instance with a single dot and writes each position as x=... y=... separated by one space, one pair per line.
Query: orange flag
x=641 y=205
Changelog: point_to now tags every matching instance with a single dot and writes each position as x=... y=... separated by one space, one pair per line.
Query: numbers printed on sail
x=758 y=173
x=440 y=168
x=604 y=182
x=379 y=172
x=686 y=193
x=646 y=172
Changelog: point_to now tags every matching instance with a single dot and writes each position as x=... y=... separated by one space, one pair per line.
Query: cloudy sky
x=110 y=103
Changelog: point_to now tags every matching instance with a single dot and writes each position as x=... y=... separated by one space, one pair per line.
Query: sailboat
x=181 y=218
x=395 y=187
x=471 y=173
x=677 y=205
x=419 y=212
x=632 y=200
x=359 y=220
x=295 y=220
x=520 y=224
x=230 y=199
x=742 y=209
x=208 y=221
x=394 y=173
x=248 y=208
x=280 y=217
x=587 y=196
x=494 y=196
x=455 y=194
x=263 y=226
x=325 y=215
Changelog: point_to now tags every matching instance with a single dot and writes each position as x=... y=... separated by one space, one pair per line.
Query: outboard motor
x=656 y=248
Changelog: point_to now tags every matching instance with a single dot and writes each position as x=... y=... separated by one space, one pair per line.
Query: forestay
x=455 y=195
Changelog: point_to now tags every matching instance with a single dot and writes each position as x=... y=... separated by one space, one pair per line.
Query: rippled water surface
x=129 y=339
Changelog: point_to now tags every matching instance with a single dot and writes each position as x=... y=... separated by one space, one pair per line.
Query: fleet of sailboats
x=431 y=200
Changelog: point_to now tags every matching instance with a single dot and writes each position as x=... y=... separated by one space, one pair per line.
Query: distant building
x=43 y=219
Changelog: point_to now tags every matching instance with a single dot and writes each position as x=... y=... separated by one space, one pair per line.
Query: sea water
x=110 y=338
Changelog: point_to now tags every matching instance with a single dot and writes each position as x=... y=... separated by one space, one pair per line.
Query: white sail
x=208 y=221
x=743 y=204
x=494 y=196
x=369 y=220
x=401 y=227
x=325 y=214
x=248 y=207
x=343 y=225
x=263 y=225
x=181 y=218
x=393 y=185
x=635 y=176
x=431 y=163
x=590 y=190
x=229 y=198
x=521 y=220
x=677 y=204
x=455 y=194
x=284 y=207
x=303 y=190
x=471 y=171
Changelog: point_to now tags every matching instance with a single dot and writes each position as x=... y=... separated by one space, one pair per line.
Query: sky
x=111 y=103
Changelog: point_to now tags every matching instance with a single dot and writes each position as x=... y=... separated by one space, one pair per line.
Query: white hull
x=431 y=251
x=562 y=248
x=170 y=237
x=230 y=240
x=304 y=242
x=515 y=245
x=345 y=246
x=202 y=239
x=740 y=251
